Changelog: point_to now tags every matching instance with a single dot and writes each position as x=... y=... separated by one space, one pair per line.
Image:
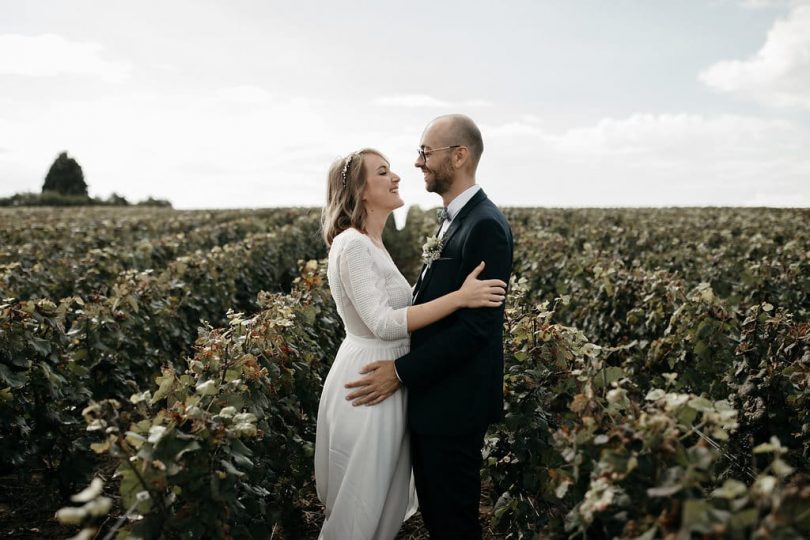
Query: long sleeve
x=364 y=283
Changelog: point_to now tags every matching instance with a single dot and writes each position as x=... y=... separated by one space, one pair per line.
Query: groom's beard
x=441 y=179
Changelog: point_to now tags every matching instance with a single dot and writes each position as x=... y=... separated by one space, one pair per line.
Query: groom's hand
x=380 y=382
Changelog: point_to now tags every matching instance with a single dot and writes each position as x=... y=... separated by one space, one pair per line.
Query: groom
x=454 y=372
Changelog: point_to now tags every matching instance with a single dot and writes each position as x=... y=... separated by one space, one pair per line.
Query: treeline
x=54 y=198
x=65 y=186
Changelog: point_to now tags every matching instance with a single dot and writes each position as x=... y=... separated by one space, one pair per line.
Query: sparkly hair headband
x=344 y=173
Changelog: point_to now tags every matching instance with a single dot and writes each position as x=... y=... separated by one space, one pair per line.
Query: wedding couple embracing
x=419 y=376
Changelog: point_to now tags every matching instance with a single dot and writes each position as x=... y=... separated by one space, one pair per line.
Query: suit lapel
x=418 y=285
x=452 y=230
x=466 y=209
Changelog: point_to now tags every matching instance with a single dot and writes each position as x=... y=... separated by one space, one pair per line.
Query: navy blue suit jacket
x=454 y=370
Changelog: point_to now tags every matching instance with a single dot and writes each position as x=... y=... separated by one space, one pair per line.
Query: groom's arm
x=473 y=328
x=488 y=242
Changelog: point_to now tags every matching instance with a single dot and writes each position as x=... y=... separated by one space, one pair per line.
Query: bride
x=362 y=454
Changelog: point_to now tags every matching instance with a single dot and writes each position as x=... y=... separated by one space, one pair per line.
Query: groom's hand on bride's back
x=379 y=383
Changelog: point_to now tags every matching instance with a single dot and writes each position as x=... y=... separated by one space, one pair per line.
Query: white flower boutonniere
x=431 y=249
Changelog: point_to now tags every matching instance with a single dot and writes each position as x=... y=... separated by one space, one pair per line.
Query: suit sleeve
x=489 y=241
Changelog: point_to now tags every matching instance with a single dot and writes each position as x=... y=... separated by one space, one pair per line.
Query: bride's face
x=382 y=185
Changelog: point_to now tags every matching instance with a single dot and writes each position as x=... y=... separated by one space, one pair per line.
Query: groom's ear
x=461 y=157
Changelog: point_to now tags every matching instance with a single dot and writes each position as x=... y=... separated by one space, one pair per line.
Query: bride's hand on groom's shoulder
x=478 y=293
x=379 y=383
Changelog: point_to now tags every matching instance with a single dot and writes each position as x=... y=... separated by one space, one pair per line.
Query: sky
x=246 y=103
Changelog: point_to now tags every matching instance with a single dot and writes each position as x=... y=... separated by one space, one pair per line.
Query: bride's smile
x=381 y=193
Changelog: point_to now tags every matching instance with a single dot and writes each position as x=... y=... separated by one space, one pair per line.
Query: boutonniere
x=431 y=249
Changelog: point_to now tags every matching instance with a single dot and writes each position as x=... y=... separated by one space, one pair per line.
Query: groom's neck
x=460 y=185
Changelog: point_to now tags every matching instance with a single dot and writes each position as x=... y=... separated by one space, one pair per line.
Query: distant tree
x=116 y=200
x=66 y=177
x=162 y=203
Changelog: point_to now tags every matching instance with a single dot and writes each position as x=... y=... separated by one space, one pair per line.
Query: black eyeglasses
x=425 y=154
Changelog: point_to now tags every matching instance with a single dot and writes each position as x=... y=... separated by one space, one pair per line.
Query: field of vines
x=160 y=373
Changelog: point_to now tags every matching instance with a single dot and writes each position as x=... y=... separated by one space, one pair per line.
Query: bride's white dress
x=362 y=455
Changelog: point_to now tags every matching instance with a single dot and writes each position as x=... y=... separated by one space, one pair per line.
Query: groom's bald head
x=461 y=130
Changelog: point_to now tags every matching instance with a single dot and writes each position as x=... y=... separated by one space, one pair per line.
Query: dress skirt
x=362 y=454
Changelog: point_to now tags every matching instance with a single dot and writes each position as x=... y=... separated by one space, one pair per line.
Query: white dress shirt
x=456 y=205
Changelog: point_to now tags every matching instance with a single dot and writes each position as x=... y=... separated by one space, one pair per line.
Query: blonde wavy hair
x=345 y=184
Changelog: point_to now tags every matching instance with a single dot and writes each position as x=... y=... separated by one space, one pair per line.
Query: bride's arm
x=474 y=293
x=363 y=284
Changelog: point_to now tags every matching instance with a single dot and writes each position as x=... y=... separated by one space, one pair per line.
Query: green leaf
x=686 y=416
x=701 y=350
x=14 y=379
x=747 y=519
x=695 y=515
x=55 y=379
x=189 y=447
x=241 y=459
x=166 y=382
x=781 y=468
x=130 y=488
x=562 y=489
x=42 y=346
x=608 y=376
x=731 y=489
x=701 y=404
x=655 y=394
x=230 y=468
x=774 y=446
x=100 y=447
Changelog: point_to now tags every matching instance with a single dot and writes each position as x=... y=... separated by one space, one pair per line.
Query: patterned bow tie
x=442 y=215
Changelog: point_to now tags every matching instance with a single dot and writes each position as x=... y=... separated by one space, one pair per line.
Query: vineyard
x=160 y=373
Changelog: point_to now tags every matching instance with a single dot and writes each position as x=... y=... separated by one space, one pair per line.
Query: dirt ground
x=27 y=508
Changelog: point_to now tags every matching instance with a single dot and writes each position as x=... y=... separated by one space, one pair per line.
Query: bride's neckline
x=380 y=247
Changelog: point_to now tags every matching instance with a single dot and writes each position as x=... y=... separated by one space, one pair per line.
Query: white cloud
x=779 y=73
x=49 y=55
x=426 y=101
x=765 y=4
x=689 y=135
x=475 y=103
x=649 y=160
x=245 y=94
x=409 y=100
x=760 y=4
x=518 y=128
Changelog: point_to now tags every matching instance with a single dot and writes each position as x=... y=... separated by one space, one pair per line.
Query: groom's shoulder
x=489 y=210
x=488 y=217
